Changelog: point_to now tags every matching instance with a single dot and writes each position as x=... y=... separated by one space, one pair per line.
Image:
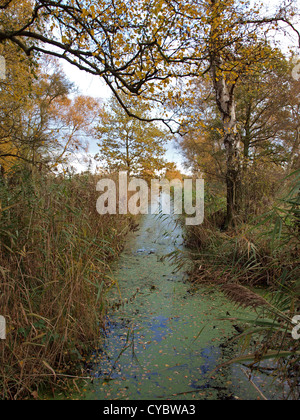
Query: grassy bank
x=55 y=258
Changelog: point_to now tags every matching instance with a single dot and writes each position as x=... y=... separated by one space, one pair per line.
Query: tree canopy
x=129 y=144
x=155 y=50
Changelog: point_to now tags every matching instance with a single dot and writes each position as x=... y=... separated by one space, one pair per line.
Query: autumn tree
x=142 y=48
x=172 y=172
x=202 y=134
x=70 y=123
x=15 y=90
x=134 y=46
x=267 y=116
x=129 y=144
x=42 y=123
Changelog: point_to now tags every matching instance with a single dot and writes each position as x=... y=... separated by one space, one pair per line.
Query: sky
x=94 y=86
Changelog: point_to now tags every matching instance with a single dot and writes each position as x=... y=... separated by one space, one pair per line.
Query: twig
x=255 y=386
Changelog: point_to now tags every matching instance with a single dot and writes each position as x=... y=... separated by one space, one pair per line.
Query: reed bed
x=257 y=266
x=55 y=257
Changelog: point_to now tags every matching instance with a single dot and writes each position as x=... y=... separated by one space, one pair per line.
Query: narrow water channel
x=163 y=339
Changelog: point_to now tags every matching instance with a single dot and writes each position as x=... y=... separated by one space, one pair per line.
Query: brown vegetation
x=55 y=258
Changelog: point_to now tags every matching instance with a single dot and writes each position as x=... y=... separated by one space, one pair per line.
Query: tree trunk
x=232 y=142
x=294 y=151
x=233 y=178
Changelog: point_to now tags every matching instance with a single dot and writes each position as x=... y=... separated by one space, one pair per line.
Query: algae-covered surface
x=163 y=339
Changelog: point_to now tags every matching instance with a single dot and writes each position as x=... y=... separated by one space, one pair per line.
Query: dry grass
x=244 y=297
x=55 y=261
x=246 y=256
x=264 y=253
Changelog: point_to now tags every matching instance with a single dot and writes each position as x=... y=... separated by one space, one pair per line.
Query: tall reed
x=264 y=253
x=55 y=257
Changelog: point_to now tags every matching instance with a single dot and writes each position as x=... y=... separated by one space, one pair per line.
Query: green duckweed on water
x=162 y=338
